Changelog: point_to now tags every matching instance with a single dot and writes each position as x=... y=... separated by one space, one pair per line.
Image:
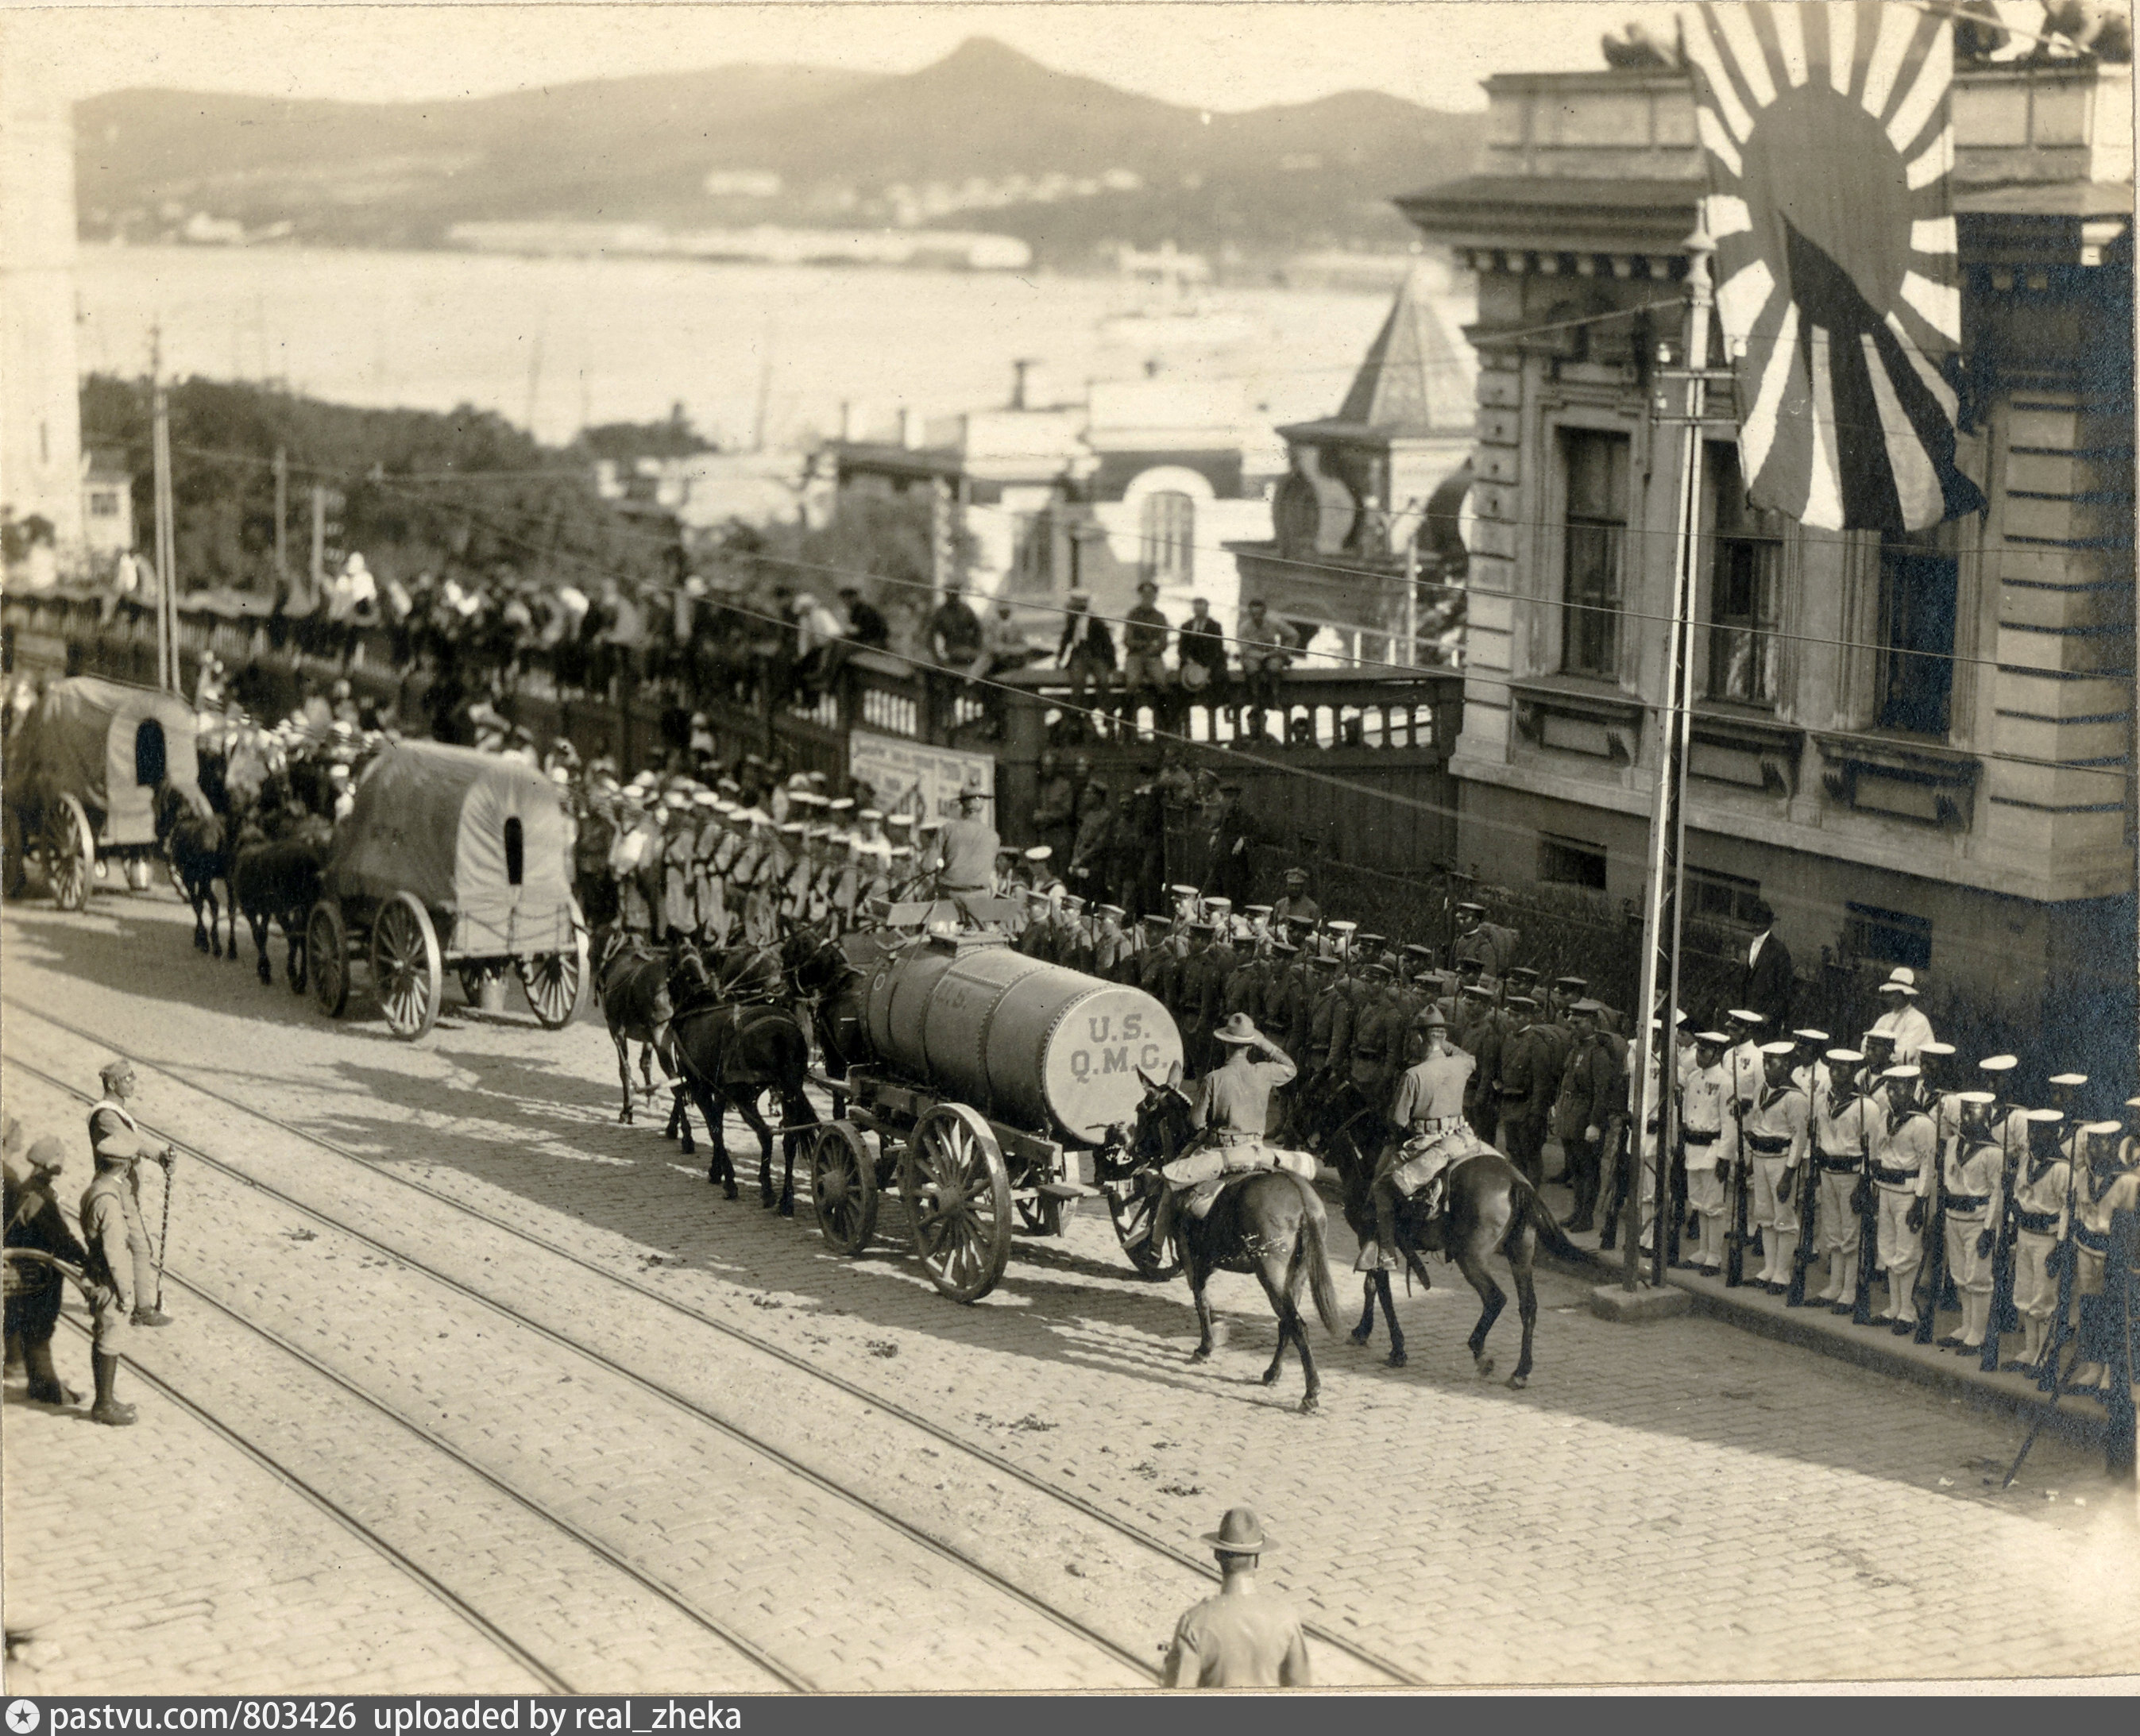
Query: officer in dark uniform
x=1485 y=1027
x=1524 y=1084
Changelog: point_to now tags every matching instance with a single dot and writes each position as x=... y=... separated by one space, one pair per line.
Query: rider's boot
x=107 y=1409
x=1385 y=1225
x=1162 y=1218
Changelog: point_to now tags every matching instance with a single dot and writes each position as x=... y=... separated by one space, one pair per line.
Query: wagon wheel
x=70 y=856
x=1133 y=1218
x=843 y=1183
x=554 y=982
x=327 y=957
x=958 y=1201
x=407 y=974
x=14 y=871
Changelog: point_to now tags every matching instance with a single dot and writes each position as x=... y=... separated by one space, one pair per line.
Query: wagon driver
x=1229 y=1106
x=963 y=855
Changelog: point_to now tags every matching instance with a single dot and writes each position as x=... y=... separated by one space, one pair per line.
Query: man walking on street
x=1242 y=1638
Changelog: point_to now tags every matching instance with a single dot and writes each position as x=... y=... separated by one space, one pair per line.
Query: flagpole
x=1659 y=997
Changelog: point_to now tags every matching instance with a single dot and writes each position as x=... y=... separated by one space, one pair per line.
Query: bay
x=558 y=343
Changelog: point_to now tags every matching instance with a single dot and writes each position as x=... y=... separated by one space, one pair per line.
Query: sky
x=1221 y=55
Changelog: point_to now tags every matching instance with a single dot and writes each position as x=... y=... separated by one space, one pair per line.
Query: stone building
x=1918 y=748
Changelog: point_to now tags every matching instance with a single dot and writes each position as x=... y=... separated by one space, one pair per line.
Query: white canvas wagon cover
x=480 y=838
x=108 y=744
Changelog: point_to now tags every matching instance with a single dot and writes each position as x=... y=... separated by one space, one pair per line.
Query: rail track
x=1383 y=1667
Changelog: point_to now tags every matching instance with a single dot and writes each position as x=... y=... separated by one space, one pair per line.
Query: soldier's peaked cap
x=1714 y=1039
x=1040 y=853
x=2047 y=1117
x=1806 y=1033
x=1997 y=1064
x=1941 y=1049
x=1904 y=1071
x=1742 y=1016
x=1341 y=927
x=1780 y=1047
x=1296 y=873
x=1844 y=1058
x=2075 y=1080
x=2101 y=1129
x=1476 y=909
x=1183 y=891
x=1573 y=985
x=1477 y=992
x=1975 y=1099
x=1523 y=974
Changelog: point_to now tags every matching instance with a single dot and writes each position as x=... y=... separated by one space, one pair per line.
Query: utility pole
x=1658 y=999
x=167 y=576
x=1412 y=600
x=282 y=512
x=318 y=567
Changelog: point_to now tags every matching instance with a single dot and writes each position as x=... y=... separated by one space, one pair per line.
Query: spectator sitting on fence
x=954 y=630
x=1002 y=645
x=866 y=625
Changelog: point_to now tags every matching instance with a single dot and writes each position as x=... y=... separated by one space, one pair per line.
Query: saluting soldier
x=1709 y=1141
x=1972 y=1180
x=2041 y=1219
x=1778 y=1135
x=1903 y=1171
x=1848 y=1121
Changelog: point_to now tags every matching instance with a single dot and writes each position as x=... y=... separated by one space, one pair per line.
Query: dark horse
x=198 y=840
x=632 y=984
x=1488 y=1208
x=730 y=1053
x=277 y=880
x=1269 y=1223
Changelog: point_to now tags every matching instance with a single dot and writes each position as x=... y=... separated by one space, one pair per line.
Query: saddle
x=1202 y=1175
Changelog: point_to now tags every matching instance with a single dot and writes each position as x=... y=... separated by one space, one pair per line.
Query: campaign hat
x=1240 y=1533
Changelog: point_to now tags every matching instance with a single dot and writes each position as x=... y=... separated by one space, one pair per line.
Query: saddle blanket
x=1201 y=1176
x=1419 y=1161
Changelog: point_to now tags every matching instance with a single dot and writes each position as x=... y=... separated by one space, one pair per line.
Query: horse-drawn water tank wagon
x=990 y=1084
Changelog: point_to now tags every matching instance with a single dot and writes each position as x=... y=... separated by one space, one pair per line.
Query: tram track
x=1091 y=1511
x=752 y=1442
x=307 y=1490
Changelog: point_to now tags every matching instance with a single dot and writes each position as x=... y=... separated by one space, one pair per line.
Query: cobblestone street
x=564 y=1417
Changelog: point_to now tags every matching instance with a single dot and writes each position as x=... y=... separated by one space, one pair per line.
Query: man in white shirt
x=1899 y=1018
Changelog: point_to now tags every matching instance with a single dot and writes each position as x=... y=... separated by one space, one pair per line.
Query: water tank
x=1028 y=1042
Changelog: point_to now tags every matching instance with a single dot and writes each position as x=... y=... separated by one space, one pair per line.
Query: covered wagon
x=85 y=772
x=988 y=1088
x=448 y=858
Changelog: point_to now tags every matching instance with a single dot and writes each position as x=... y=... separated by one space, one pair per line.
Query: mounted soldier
x=1230 y=1108
x=1428 y=1111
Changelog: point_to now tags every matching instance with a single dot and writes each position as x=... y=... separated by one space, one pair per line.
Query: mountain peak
x=986 y=55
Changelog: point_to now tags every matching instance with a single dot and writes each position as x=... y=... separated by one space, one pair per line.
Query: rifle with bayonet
x=1934 y=1264
x=2002 y=1317
x=1734 y=1239
x=1865 y=1201
x=1807 y=1183
x=2049 y=1380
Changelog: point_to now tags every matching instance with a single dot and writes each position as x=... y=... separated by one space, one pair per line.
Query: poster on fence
x=912 y=777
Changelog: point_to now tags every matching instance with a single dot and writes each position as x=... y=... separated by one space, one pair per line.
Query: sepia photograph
x=1057 y=849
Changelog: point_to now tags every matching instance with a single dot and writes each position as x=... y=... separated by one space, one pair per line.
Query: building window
x=1168 y=554
x=1712 y=897
x=1887 y=937
x=103 y=503
x=1918 y=577
x=1744 y=587
x=1597 y=532
x=1571 y=862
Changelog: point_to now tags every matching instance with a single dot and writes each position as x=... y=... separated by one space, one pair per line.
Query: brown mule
x=1270 y=1223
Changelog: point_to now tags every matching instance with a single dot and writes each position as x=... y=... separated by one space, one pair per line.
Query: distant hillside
x=985 y=139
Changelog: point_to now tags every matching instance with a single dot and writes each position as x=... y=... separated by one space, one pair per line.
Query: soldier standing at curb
x=1846 y=1123
x=113 y=1132
x=108 y=1271
x=1241 y=1638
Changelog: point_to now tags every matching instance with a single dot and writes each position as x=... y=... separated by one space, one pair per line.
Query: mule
x=1269 y=1223
x=197 y=841
x=278 y=881
x=730 y=1054
x=632 y=985
x=1488 y=1208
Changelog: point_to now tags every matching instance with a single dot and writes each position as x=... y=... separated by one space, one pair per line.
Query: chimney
x=1019 y=369
x=909 y=427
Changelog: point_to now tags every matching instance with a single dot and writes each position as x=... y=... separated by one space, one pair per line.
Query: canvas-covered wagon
x=85 y=772
x=448 y=858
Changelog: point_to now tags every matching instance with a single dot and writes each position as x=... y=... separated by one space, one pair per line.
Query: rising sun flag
x=1829 y=146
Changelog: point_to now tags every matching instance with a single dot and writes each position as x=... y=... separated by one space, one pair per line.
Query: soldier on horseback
x=1429 y=1110
x=1230 y=1108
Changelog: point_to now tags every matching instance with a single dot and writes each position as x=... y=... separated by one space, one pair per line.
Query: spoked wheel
x=70 y=856
x=843 y=1183
x=957 y=1195
x=326 y=958
x=406 y=974
x=554 y=982
x=1132 y=1218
